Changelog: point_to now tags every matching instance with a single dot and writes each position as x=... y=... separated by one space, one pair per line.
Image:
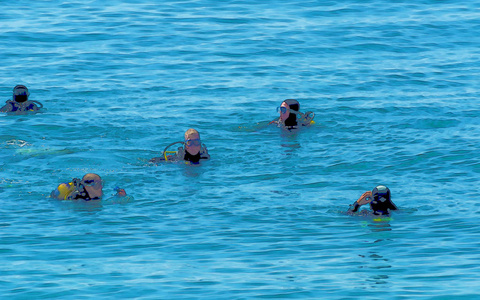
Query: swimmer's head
x=382 y=201
x=20 y=93
x=193 y=144
x=93 y=185
x=288 y=117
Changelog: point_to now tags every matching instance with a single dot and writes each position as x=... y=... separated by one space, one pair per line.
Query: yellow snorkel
x=165 y=151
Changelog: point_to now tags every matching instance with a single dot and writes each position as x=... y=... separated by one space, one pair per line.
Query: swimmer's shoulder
x=204 y=153
x=8 y=107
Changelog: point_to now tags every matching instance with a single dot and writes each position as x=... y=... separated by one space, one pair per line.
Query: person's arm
x=36 y=105
x=7 y=107
x=204 y=153
x=159 y=159
x=31 y=106
x=277 y=121
x=364 y=199
x=120 y=197
x=156 y=160
x=307 y=118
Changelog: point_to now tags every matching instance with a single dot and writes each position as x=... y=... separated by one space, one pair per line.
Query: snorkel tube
x=171 y=152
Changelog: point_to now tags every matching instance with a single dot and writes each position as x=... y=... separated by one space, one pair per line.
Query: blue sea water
x=393 y=84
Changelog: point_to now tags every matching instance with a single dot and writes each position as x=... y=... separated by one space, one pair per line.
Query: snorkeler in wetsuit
x=291 y=117
x=20 y=102
x=379 y=199
x=193 y=150
x=90 y=187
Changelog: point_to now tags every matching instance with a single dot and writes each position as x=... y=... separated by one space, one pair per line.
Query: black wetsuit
x=81 y=193
x=192 y=158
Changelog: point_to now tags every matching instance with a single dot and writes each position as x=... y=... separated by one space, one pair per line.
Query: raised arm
x=364 y=199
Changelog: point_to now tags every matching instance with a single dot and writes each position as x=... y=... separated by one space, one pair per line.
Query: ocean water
x=393 y=84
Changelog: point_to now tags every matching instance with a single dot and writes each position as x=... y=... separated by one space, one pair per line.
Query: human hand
x=120 y=192
x=78 y=183
x=365 y=198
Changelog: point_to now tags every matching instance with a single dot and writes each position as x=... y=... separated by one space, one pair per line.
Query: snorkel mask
x=381 y=202
x=20 y=93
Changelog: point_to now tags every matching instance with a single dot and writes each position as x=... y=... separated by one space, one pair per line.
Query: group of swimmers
x=191 y=151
